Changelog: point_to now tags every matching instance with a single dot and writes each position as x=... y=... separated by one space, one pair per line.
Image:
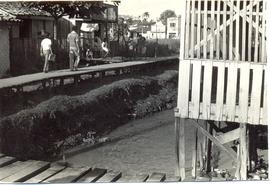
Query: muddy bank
x=41 y=132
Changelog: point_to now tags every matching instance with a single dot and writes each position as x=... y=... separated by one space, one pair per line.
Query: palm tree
x=146 y=15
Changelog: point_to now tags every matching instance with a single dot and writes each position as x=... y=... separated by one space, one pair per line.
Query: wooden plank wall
x=225 y=95
x=225 y=30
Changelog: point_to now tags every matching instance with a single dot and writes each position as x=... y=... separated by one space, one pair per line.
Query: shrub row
x=34 y=133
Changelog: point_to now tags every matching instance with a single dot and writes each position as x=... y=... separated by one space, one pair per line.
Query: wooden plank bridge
x=13 y=170
x=60 y=76
x=32 y=171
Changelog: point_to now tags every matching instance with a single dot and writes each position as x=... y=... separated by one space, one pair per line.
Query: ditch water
x=141 y=146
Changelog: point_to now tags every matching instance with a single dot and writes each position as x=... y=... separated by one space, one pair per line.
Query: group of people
x=137 y=45
x=74 y=50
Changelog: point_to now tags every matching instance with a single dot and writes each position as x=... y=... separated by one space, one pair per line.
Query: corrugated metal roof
x=4 y=16
x=18 y=9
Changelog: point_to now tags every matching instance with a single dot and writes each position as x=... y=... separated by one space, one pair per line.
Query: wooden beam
x=243 y=151
x=180 y=146
x=228 y=136
x=194 y=155
x=229 y=150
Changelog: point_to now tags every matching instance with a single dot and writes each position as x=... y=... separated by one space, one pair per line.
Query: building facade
x=173 y=27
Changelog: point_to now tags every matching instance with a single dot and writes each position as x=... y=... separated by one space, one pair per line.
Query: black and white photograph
x=134 y=91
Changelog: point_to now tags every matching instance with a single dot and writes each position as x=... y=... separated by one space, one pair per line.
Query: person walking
x=74 y=50
x=46 y=51
x=104 y=47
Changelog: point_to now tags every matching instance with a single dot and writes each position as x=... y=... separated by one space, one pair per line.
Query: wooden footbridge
x=31 y=171
x=60 y=77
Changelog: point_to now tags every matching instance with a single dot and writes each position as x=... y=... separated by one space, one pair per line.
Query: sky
x=154 y=7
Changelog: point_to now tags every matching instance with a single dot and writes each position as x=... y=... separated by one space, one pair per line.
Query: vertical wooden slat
x=182 y=32
x=205 y=29
x=218 y=30
x=237 y=50
x=256 y=34
x=183 y=88
x=187 y=33
x=192 y=30
x=243 y=93
x=207 y=87
x=244 y=31
x=231 y=91
x=212 y=26
x=199 y=30
x=256 y=94
x=265 y=105
x=196 y=82
x=224 y=47
x=220 y=90
x=250 y=29
x=231 y=33
x=263 y=33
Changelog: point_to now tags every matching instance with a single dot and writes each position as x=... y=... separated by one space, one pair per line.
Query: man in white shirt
x=45 y=51
x=74 y=50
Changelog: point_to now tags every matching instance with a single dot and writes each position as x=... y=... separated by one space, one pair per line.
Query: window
x=172 y=25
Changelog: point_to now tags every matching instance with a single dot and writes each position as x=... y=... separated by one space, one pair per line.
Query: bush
x=34 y=133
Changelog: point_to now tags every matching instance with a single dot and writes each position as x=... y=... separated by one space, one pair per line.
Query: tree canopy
x=165 y=15
x=72 y=9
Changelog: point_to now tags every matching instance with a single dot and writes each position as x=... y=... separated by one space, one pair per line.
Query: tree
x=146 y=15
x=72 y=9
x=164 y=16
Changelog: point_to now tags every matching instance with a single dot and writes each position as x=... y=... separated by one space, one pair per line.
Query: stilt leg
x=177 y=173
x=194 y=155
x=209 y=150
x=180 y=147
x=243 y=151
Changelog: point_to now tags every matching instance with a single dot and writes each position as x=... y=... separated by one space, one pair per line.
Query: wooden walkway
x=118 y=68
x=31 y=171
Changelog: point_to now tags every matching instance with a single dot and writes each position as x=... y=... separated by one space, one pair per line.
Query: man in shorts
x=74 y=51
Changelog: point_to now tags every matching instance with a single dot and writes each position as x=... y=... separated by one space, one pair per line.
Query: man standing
x=74 y=51
x=45 y=51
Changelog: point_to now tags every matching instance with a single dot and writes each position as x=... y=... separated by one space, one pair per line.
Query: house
x=158 y=30
x=6 y=22
x=32 y=20
x=173 y=27
x=22 y=28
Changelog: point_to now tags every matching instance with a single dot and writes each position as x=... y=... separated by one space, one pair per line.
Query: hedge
x=34 y=133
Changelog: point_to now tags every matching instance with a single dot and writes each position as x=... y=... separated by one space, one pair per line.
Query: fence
x=222 y=74
x=226 y=30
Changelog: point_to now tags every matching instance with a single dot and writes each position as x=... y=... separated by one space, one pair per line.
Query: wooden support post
x=243 y=151
x=180 y=147
x=76 y=80
x=194 y=154
x=209 y=150
x=61 y=82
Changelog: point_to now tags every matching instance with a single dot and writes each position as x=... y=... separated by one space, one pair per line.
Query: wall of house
x=173 y=27
x=4 y=48
x=38 y=25
x=15 y=31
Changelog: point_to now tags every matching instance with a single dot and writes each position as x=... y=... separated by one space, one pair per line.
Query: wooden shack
x=222 y=73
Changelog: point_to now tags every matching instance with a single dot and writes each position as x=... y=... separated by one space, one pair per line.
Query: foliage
x=165 y=15
x=38 y=132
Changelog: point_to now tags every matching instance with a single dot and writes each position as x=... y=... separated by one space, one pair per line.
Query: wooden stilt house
x=222 y=73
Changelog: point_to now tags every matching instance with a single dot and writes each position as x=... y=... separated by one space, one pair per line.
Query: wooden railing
x=222 y=91
x=225 y=30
